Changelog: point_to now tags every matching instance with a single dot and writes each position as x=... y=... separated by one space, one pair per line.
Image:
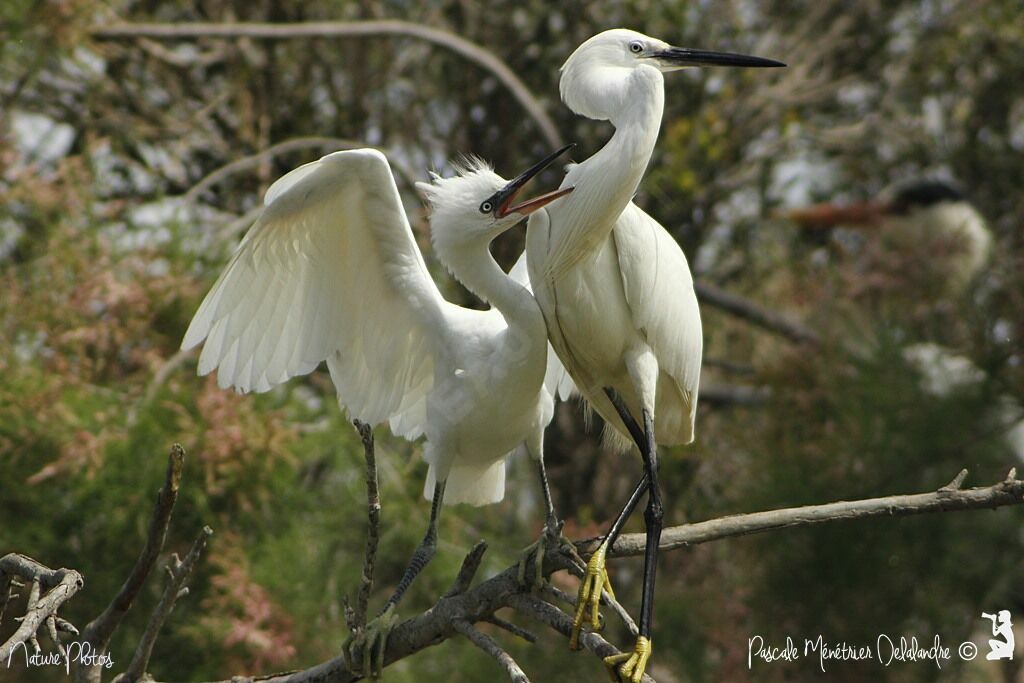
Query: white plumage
x=331 y=272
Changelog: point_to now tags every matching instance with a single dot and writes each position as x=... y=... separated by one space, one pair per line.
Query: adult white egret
x=615 y=288
x=330 y=271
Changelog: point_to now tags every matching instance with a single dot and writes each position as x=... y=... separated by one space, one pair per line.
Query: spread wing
x=659 y=290
x=330 y=271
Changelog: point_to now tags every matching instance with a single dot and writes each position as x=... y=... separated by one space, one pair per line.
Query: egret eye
x=486 y=207
x=636 y=47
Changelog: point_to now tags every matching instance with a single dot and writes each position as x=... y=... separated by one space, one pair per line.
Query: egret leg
x=550 y=536
x=596 y=576
x=630 y=666
x=372 y=642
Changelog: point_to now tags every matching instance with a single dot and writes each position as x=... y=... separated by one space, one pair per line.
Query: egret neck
x=606 y=182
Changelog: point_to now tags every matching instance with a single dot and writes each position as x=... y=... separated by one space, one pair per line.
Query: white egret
x=331 y=271
x=615 y=288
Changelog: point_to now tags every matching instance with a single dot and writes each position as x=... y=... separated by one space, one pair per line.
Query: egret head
x=594 y=77
x=477 y=204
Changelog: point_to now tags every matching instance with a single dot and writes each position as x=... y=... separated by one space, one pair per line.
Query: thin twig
x=178 y=573
x=345 y=29
x=488 y=645
x=254 y=160
x=99 y=631
x=773 y=321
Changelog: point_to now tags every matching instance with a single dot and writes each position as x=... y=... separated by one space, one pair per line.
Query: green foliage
x=96 y=292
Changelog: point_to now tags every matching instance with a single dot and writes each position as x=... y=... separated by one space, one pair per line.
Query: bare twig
x=342 y=29
x=773 y=321
x=48 y=590
x=178 y=573
x=488 y=645
x=373 y=527
x=470 y=565
x=514 y=629
x=99 y=631
x=254 y=160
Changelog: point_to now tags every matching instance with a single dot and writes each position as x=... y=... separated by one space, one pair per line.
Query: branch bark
x=480 y=603
x=767 y=319
x=99 y=631
x=178 y=573
x=60 y=585
x=347 y=29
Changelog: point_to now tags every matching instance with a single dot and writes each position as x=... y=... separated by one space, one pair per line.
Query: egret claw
x=535 y=552
x=630 y=666
x=595 y=579
x=370 y=644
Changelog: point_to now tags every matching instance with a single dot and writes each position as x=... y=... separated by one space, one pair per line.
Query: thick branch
x=946 y=499
x=354 y=29
x=481 y=602
x=767 y=319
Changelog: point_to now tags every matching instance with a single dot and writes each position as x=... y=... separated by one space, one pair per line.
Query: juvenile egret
x=929 y=219
x=331 y=271
x=615 y=288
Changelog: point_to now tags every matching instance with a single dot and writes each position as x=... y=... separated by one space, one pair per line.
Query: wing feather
x=330 y=271
x=659 y=290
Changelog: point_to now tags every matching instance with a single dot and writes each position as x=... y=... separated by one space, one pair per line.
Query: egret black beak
x=684 y=56
x=503 y=198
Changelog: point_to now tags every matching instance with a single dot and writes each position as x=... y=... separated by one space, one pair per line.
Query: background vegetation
x=107 y=246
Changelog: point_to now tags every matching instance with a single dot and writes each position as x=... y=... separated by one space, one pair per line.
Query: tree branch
x=99 y=631
x=946 y=499
x=59 y=584
x=347 y=29
x=482 y=601
x=491 y=647
x=755 y=314
x=373 y=527
x=178 y=572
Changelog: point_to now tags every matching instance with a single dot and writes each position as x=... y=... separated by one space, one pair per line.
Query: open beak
x=503 y=199
x=679 y=57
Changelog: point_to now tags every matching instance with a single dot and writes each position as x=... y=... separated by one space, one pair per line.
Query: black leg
x=642 y=486
x=654 y=519
x=424 y=552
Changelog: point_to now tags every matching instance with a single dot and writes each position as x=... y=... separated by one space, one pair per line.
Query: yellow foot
x=630 y=666
x=364 y=651
x=595 y=579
